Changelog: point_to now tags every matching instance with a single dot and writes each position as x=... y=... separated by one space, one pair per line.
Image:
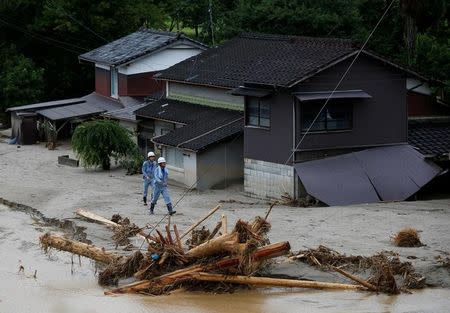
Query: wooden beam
x=263 y=253
x=100 y=219
x=177 y=237
x=200 y=221
x=224 y=221
x=355 y=278
x=266 y=281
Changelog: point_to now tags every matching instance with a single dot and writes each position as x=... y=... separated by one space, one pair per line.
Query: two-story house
x=124 y=71
x=349 y=153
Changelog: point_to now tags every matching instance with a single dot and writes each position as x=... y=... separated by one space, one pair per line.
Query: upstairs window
x=335 y=116
x=257 y=113
x=114 y=82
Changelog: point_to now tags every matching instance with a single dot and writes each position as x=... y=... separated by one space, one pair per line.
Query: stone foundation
x=267 y=180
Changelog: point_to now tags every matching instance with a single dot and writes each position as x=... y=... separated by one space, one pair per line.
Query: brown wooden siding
x=139 y=84
x=123 y=85
x=421 y=105
x=102 y=82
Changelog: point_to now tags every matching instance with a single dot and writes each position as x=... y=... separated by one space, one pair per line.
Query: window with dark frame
x=335 y=116
x=257 y=113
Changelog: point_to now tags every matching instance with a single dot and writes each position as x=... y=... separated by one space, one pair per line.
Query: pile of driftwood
x=208 y=260
x=385 y=270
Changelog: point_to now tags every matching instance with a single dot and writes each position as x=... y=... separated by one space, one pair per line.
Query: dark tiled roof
x=125 y=114
x=430 y=137
x=203 y=127
x=261 y=59
x=134 y=45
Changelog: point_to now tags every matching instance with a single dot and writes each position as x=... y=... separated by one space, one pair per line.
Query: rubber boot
x=170 y=209
x=151 y=209
x=145 y=200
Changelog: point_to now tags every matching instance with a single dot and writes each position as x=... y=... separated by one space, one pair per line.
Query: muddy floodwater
x=66 y=283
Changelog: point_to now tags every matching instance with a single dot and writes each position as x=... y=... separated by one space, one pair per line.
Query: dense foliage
x=96 y=142
x=40 y=40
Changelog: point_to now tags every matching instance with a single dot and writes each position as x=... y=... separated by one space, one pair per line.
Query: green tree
x=21 y=81
x=419 y=15
x=96 y=142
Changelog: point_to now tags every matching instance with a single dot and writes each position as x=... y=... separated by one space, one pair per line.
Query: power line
x=339 y=82
x=46 y=39
x=56 y=7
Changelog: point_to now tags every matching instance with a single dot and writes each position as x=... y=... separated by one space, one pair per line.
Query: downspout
x=294 y=144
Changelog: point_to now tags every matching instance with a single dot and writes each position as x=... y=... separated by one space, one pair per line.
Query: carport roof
x=88 y=105
x=42 y=105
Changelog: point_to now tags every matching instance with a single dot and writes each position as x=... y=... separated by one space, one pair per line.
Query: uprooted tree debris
x=386 y=271
x=208 y=260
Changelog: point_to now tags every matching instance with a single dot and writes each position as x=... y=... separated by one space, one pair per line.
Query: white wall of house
x=190 y=168
x=211 y=96
x=105 y=67
x=220 y=165
x=160 y=60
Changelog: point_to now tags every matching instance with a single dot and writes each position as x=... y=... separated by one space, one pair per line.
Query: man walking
x=160 y=186
x=148 y=169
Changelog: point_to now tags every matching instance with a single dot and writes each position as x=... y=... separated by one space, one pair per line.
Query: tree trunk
x=100 y=219
x=80 y=248
x=266 y=281
x=263 y=253
x=410 y=38
x=228 y=243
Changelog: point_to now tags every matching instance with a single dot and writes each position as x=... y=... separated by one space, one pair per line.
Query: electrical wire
x=340 y=81
x=56 y=7
x=55 y=42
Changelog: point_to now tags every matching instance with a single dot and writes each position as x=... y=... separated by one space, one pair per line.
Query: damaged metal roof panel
x=337 y=180
x=391 y=173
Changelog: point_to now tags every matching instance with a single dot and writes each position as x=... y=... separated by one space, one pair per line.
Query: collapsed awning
x=339 y=94
x=251 y=92
x=380 y=174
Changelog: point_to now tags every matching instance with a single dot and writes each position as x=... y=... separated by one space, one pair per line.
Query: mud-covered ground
x=30 y=175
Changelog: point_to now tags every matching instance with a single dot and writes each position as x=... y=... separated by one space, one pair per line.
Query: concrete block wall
x=267 y=180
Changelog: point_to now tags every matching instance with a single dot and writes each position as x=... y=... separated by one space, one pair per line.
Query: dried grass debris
x=407 y=237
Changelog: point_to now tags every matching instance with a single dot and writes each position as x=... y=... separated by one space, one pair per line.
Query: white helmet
x=150 y=154
x=161 y=160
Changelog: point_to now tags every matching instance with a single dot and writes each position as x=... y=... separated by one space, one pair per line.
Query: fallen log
x=80 y=248
x=355 y=278
x=222 y=243
x=100 y=219
x=200 y=221
x=261 y=254
x=266 y=281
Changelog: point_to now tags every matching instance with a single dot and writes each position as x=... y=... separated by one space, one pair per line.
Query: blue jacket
x=161 y=176
x=148 y=168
